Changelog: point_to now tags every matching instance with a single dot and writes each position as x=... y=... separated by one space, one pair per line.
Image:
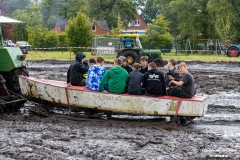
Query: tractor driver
x=127 y=42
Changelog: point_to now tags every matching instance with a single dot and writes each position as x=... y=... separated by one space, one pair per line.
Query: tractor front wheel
x=132 y=56
x=233 y=51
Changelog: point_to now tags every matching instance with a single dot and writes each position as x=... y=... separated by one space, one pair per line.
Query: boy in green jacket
x=115 y=78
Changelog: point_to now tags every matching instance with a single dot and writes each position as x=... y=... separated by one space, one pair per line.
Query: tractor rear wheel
x=12 y=81
x=233 y=51
x=132 y=56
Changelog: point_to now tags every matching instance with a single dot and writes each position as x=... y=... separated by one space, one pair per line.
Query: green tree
x=14 y=5
x=190 y=20
x=110 y=9
x=64 y=8
x=223 y=21
x=120 y=26
x=79 y=32
x=150 y=10
x=158 y=33
x=32 y=17
x=36 y=36
x=51 y=39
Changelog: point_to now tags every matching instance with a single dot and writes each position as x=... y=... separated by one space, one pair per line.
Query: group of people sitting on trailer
x=142 y=78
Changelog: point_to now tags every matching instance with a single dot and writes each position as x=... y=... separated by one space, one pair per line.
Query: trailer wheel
x=233 y=51
x=183 y=121
x=132 y=56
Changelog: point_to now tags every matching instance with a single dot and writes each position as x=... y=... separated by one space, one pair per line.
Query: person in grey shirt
x=186 y=86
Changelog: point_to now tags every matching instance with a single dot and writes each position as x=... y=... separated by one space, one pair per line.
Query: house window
x=129 y=23
x=137 y=23
x=94 y=28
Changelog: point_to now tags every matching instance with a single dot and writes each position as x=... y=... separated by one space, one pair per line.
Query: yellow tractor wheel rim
x=130 y=59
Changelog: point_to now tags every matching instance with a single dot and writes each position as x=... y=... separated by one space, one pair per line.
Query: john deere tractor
x=131 y=48
x=12 y=64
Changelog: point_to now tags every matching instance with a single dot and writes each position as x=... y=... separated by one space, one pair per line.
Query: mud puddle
x=63 y=136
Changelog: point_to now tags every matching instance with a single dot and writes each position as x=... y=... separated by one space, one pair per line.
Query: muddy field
x=60 y=136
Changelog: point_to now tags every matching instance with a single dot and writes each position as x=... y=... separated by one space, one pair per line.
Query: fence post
x=62 y=48
x=44 y=48
x=70 y=55
x=163 y=50
x=176 y=47
x=189 y=48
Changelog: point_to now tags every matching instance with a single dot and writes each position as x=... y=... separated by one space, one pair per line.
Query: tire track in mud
x=102 y=140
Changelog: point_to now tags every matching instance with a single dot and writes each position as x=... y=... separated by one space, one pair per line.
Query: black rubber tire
x=12 y=79
x=131 y=53
x=233 y=51
x=159 y=62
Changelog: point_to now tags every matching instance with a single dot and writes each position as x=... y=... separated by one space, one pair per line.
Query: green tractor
x=12 y=64
x=131 y=48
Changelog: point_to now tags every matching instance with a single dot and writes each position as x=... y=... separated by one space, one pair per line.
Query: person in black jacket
x=76 y=71
x=125 y=65
x=172 y=73
x=135 y=80
x=154 y=81
x=144 y=64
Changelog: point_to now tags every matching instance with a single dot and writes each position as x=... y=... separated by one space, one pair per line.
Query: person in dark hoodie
x=144 y=64
x=115 y=78
x=172 y=73
x=76 y=71
x=154 y=81
x=135 y=80
x=125 y=65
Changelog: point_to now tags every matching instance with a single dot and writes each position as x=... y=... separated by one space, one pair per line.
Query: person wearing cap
x=115 y=79
x=76 y=71
x=125 y=65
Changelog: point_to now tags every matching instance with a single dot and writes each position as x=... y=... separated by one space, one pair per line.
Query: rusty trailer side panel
x=58 y=92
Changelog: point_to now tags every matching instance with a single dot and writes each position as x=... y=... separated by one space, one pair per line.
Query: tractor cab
x=131 y=48
x=130 y=41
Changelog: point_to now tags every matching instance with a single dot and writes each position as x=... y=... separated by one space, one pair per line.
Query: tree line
x=197 y=19
x=168 y=19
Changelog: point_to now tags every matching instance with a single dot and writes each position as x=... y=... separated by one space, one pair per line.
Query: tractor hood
x=146 y=51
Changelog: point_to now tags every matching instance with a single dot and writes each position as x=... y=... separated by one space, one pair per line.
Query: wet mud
x=33 y=134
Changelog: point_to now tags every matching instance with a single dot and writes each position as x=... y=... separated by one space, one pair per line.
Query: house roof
x=57 y=28
x=61 y=23
x=102 y=24
x=143 y=25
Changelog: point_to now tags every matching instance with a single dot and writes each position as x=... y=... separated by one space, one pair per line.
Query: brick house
x=100 y=27
x=138 y=26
